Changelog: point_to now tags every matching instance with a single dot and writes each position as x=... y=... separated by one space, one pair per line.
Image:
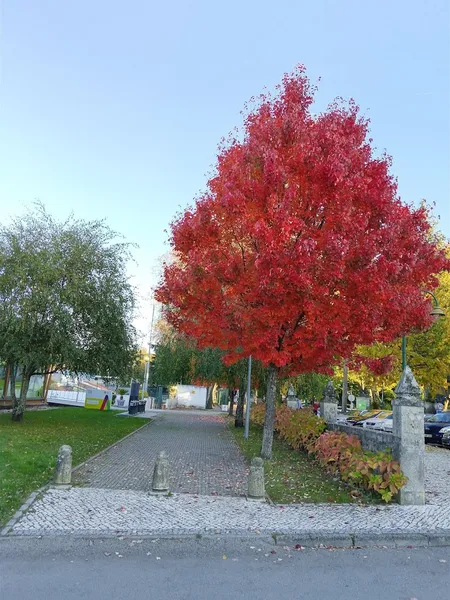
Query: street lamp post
x=147 y=362
x=345 y=388
x=436 y=311
x=249 y=389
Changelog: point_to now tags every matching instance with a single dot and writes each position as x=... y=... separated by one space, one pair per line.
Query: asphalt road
x=51 y=569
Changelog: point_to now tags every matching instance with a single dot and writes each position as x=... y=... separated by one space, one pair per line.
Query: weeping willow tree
x=65 y=300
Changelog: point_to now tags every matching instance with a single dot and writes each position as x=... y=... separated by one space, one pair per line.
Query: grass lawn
x=292 y=476
x=28 y=450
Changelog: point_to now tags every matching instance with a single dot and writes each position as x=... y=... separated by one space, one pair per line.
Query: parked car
x=445 y=436
x=385 y=424
x=370 y=422
x=350 y=414
x=367 y=414
x=434 y=427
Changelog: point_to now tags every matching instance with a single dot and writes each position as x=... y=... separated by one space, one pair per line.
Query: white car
x=385 y=424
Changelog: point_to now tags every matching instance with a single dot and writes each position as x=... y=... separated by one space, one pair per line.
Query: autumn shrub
x=376 y=471
x=339 y=453
x=257 y=414
x=300 y=428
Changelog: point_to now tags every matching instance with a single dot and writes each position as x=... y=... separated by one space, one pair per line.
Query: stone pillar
x=291 y=398
x=160 y=483
x=256 y=488
x=328 y=404
x=63 y=470
x=408 y=430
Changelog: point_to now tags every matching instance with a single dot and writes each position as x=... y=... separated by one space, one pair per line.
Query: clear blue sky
x=114 y=109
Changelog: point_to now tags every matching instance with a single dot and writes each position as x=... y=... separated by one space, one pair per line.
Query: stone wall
x=375 y=441
x=406 y=441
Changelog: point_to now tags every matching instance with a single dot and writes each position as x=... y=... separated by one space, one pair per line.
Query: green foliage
x=307 y=385
x=28 y=449
x=65 y=301
x=178 y=359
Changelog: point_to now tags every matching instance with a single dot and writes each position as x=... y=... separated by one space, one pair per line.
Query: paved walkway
x=437 y=475
x=203 y=457
x=206 y=463
x=88 y=511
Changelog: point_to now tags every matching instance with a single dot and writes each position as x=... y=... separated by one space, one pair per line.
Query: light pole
x=249 y=389
x=147 y=363
x=436 y=311
x=345 y=388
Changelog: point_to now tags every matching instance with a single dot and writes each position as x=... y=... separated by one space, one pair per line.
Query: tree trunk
x=20 y=403
x=209 y=391
x=239 y=420
x=375 y=398
x=269 y=419
x=231 y=400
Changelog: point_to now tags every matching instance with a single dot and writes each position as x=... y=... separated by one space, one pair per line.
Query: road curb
x=297 y=541
x=22 y=510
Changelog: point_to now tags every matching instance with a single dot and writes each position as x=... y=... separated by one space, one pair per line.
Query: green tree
x=179 y=360
x=65 y=301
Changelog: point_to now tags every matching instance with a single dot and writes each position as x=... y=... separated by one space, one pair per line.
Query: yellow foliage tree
x=428 y=354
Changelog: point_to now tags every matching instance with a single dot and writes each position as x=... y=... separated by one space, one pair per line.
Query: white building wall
x=188 y=396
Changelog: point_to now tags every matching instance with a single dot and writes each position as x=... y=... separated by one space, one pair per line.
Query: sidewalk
x=206 y=465
x=99 y=512
x=204 y=459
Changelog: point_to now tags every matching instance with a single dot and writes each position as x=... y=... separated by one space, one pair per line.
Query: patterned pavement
x=437 y=475
x=88 y=511
x=203 y=457
x=206 y=463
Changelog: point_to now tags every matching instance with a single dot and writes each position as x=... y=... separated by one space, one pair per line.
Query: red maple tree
x=300 y=248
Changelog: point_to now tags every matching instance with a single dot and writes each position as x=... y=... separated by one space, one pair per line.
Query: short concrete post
x=328 y=404
x=256 y=488
x=63 y=470
x=160 y=483
x=408 y=430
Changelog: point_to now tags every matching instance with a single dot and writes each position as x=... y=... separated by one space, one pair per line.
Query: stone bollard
x=328 y=404
x=408 y=430
x=160 y=483
x=256 y=489
x=63 y=470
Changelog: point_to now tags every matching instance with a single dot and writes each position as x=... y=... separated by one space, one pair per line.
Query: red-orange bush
x=338 y=453
x=376 y=471
x=300 y=428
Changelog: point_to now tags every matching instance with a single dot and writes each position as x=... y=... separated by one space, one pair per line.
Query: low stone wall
x=375 y=441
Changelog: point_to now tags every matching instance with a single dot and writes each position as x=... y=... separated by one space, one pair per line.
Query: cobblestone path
x=437 y=475
x=88 y=511
x=203 y=457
